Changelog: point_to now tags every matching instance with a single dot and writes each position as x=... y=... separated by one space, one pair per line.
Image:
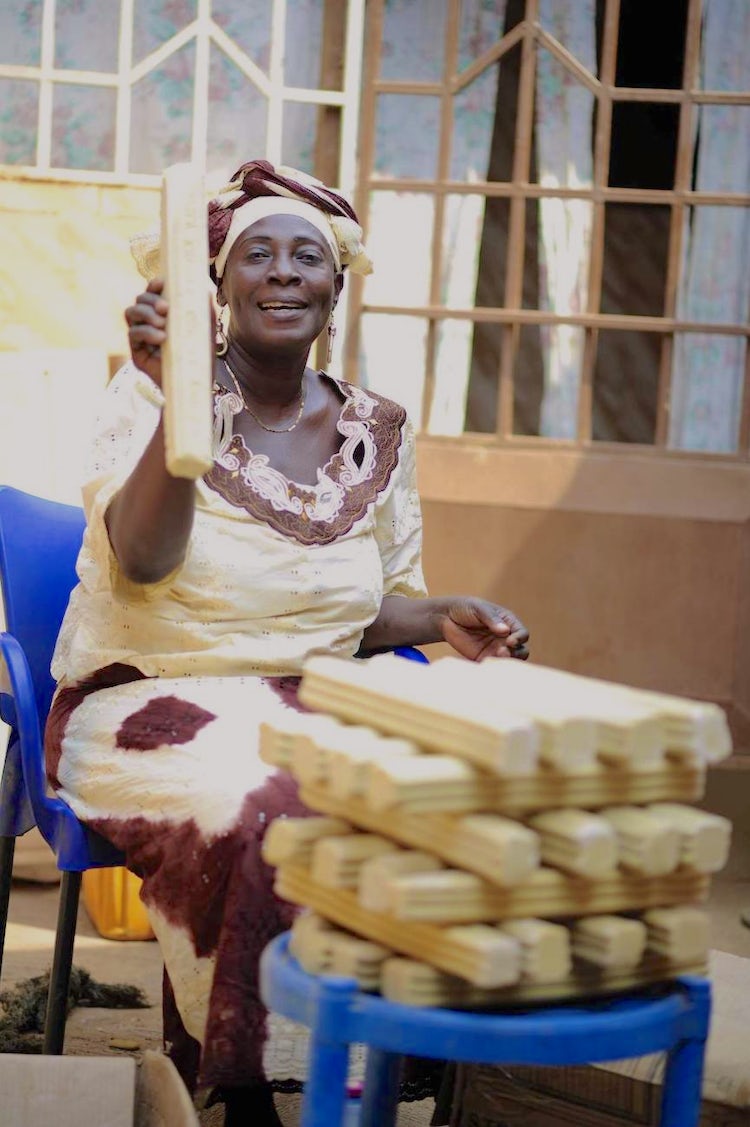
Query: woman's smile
x=282 y=309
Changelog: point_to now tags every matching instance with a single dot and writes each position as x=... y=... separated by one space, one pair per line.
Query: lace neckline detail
x=352 y=477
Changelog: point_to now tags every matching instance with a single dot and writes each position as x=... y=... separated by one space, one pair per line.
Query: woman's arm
x=149 y=521
x=474 y=627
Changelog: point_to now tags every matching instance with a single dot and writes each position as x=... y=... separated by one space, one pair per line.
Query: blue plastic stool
x=674 y=1018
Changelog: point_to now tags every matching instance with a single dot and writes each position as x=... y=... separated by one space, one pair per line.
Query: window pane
x=411 y=152
x=413 y=40
x=487 y=338
x=300 y=130
x=452 y=362
x=399 y=239
x=715 y=281
x=304 y=29
x=463 y=224
x=248 y=23
x=392 y=359
x=237 y=116
x=564 y=113
x=706 y=398
x=644 y=145
x=636 y=245
x=481 y=400
x=626 y=386
x=83 y=127
x=481 y=27
x=21 y=33
x=156 y=21
x=528 y=381
x=19 y=106
x=484 y=122
x=723 y=135
x=162 y=114
x=474 y=127
x=562 y=359
x=86 y=34
x=574 y=26
x=650 y=51
x=567 y=274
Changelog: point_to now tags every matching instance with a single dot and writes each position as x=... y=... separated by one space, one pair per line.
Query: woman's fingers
x=146 y=319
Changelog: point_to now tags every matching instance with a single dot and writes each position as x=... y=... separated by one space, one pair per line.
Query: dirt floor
x=33 y=910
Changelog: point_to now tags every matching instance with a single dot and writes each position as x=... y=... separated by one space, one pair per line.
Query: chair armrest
x=75 y=847
x=17 y=687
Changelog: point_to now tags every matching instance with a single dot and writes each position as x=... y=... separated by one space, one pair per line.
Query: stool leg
x=380 y=1095
x=683 y=1076
x=324 y=1099
x=7 y=849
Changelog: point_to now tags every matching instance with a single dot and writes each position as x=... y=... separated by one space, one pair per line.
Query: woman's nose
x=283 y=266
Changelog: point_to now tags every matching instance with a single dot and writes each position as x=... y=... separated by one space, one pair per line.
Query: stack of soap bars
x=495 y=833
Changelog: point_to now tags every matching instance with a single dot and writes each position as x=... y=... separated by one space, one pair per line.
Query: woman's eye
x=311 y=257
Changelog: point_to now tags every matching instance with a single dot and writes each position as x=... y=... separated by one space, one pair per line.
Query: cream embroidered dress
x=153 y=735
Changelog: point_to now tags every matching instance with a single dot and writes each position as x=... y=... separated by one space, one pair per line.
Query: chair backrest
x=39 y=544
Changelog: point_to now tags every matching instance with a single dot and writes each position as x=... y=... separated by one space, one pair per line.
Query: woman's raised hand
x=477 y=629
x=147 y=323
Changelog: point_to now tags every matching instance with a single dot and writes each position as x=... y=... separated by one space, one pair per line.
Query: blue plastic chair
x=39 y=543
x=674 y=1018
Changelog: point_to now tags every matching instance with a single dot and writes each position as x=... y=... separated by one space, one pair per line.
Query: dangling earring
x=331 y=336
x=220 y=338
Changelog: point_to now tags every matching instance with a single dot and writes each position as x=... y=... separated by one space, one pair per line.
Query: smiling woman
x=199 y=602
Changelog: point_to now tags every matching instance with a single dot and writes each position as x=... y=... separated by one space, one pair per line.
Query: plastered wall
x=66 y=274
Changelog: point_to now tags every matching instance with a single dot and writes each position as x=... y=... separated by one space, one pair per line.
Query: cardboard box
x=38 y=1091
x=620 y=1092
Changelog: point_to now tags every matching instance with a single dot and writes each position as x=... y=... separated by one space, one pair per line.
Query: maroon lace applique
x=381 y=422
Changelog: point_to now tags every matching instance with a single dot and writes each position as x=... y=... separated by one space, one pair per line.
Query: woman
x=199 y=602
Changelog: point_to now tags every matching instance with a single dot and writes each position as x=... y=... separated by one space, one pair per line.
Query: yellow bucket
x=111 y=898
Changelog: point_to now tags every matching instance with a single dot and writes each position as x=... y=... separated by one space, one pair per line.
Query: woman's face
x=280 y=284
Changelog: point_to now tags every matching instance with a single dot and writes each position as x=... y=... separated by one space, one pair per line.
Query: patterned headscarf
x=303 y=195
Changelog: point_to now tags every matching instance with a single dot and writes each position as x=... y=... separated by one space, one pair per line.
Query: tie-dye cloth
x=153 y=735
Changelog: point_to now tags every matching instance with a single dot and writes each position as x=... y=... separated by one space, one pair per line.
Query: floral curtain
x=708 y=369
x=407 y=142
x=564 y=114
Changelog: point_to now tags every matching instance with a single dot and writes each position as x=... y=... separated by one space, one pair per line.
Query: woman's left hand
x=477 y=629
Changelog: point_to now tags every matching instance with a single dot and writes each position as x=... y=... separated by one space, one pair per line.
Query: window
x=556 y=195
x=115 y=90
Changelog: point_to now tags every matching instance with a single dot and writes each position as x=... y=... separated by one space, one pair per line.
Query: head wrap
x=258 y=180
x=250 y=212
